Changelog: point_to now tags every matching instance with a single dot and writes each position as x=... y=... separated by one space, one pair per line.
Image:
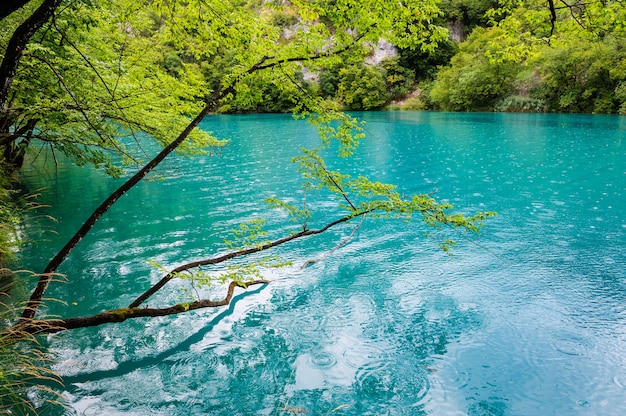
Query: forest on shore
x=533 y=56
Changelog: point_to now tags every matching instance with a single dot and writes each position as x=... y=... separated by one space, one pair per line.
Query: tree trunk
x=48 y=273
x=17 y=44
x=13 y=155
x=9 y=6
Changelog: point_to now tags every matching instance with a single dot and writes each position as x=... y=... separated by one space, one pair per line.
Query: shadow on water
x=130 y=366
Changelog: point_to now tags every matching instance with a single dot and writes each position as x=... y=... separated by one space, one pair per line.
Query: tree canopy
x=96 y=80
x=538 y=56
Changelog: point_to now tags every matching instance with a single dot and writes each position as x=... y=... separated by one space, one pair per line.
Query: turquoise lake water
x=527 y=319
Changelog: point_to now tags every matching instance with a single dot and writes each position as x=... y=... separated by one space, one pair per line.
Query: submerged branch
x=337 y=247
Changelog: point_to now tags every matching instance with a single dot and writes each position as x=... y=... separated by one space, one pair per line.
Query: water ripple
x=452 y=370
x=406 y=386
x=322 y=360
x=528 y=320
x=572 y=344
x=367 y=357
x=620 y=380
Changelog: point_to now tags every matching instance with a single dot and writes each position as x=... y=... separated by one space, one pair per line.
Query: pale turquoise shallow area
x=527 y=319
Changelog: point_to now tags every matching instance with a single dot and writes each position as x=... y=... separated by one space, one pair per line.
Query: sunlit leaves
x=297 y=215
x=362 y=87
x=94 y=79
x=332 y=126
x=101 y=76
x=361 y=196
x=534 y=60
x=199 y=278
x=101 y=73
x=248 y=234
x=408 y=23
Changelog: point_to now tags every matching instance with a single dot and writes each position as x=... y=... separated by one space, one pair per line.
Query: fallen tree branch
x=120 y=315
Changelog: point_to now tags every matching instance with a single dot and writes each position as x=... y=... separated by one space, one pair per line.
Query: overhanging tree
x=87 y=79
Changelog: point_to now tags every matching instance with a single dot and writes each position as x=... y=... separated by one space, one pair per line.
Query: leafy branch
x=212 y=104
x=378 y=200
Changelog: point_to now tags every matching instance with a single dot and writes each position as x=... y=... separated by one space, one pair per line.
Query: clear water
x=530 y=319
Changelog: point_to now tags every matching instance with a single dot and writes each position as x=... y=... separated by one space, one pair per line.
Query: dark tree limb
x=44 y=281
x=320 y=55
x=216 y=260
x=31 y=326
x=552 y=16
x=577 y=10
x=78 y=106
x=18 y=42
x=25 y=129
x=337 y=247
x=121 y=315
x=9 y=6
x=336 y=185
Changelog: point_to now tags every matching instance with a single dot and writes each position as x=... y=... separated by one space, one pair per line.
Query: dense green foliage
x=470 y=13
x=533 y=60
x=362 y=87
x=472 y=81
x=516 y=56
x=82 y=71
x=95 y=80
x=9 y=220
x=98 y=76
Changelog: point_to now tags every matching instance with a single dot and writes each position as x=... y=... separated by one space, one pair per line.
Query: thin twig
x=337 y=247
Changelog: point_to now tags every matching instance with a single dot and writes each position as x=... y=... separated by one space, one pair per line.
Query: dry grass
x=25 y=370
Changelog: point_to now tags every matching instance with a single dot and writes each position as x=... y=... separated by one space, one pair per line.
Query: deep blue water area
x=529 y=318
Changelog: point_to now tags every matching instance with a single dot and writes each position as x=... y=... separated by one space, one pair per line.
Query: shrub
x=520 y=104
x=400 y=80
x=413 y=104
x=362 y=87
x=24 y=369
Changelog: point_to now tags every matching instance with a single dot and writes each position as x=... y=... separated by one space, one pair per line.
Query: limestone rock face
x=456 y=30
x=381 y=51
